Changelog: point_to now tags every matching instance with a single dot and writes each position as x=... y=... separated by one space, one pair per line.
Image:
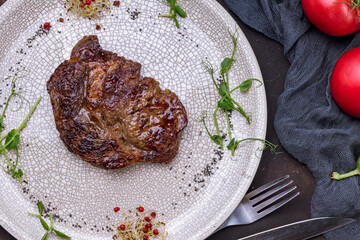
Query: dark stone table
x=274 y=67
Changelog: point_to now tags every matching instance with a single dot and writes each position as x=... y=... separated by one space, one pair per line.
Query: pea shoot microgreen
x=48 y=228
x=246 y=85
x=12 y=138
x=175 y=10
x=227 y=102
x=267 y=145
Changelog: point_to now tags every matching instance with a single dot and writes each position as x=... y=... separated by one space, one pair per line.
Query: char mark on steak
x=110 y=116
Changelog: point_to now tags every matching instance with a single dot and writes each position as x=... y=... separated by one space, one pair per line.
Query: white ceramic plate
x=198 y=190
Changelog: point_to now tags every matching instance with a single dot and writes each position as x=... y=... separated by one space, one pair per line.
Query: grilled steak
x=110 y=116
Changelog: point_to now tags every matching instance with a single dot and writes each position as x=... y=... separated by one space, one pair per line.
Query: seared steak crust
x=110 y=116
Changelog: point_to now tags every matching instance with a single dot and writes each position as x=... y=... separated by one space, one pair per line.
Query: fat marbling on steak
x=109 y=115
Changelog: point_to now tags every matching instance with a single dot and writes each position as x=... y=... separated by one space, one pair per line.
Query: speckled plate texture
x=193 y=194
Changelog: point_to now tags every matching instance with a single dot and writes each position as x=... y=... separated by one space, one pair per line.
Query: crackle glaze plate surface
x=193 y=194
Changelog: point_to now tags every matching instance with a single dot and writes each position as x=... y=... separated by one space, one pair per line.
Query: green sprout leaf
x=44 y=224
x=1 y=124
x=223 y=89
x=40 y=206
x=12 y=139
x=18 y=174
x=246 y=85
x=45 y=236
x=226 y=104
x=60 y=234
x=225 y=65
x=233 y=145
x=217 y=139
x=180 y=11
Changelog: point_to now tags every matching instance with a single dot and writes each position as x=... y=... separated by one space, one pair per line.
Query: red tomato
x=333 y=17
x=345 y=82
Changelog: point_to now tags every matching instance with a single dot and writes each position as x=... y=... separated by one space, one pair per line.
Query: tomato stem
x=355 y=4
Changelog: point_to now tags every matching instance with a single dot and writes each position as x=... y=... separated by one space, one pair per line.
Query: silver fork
x=255 y=204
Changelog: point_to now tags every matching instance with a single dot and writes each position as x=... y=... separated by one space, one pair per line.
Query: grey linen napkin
x=309 y=124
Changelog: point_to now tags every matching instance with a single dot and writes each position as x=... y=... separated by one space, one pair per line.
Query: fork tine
x=246 y=213
x=278 y=205
x=273 y=199
x=266 y=186
x=269 y=193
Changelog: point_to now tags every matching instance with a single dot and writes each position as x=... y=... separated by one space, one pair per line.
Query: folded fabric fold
x=309 y=124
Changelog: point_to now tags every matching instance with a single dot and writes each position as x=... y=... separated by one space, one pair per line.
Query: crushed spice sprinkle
x=133 y=14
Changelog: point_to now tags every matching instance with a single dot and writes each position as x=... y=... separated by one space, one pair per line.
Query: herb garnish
x=175 y=10
x=227 y=102
x=267 y=145
x=12 y=138
x=45 y=225
x=338 y=176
